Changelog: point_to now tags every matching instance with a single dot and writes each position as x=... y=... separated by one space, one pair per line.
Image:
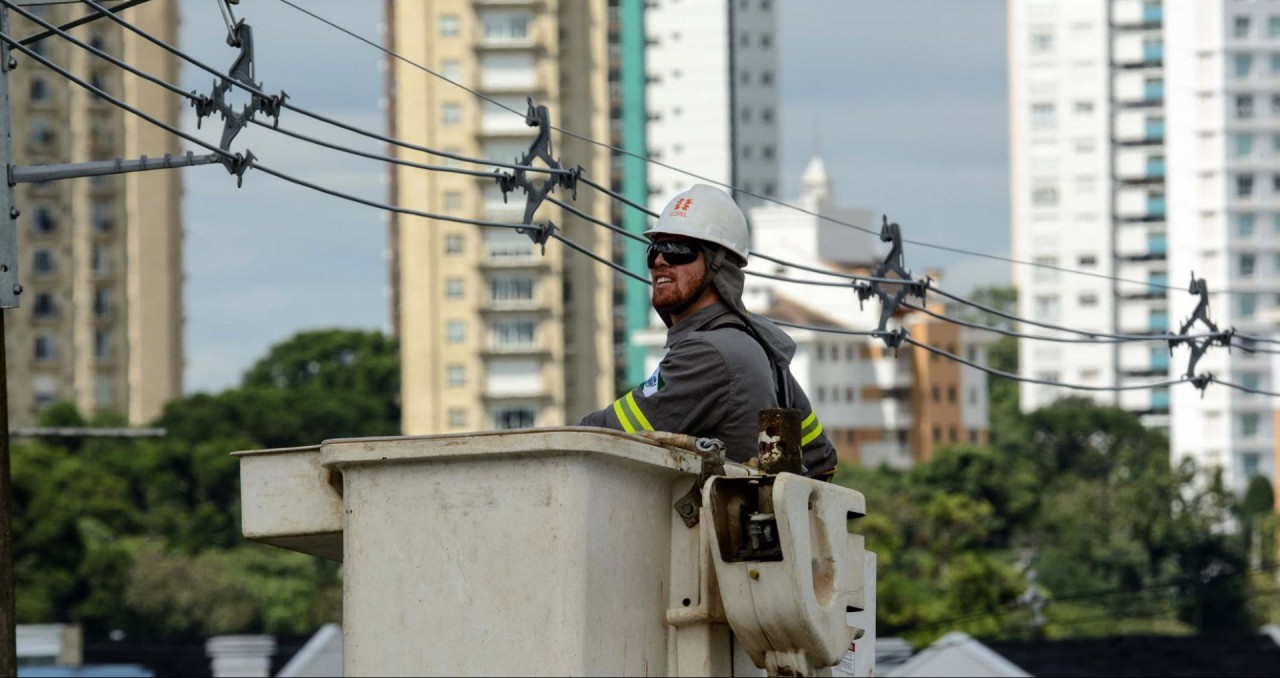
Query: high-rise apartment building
x=1086 y=117
x=1143 y=147
x=495 y=333
x=711 y=97
x=1223 y=96
x=100 y=322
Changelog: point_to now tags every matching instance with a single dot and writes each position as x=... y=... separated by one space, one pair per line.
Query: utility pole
x=9 y=291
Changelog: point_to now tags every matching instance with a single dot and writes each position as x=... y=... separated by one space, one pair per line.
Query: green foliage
x=1120 y=540
x=144 y=535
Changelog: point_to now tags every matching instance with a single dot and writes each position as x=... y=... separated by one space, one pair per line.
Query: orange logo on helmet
x=681 y=208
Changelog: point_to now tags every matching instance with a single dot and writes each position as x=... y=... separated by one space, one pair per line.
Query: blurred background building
x=494 y=333
x=101 y=319
x=1143 y=142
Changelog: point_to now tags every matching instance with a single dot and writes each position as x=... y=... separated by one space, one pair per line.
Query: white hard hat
x=705 y=213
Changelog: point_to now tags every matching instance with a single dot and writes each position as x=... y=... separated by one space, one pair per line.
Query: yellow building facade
x=494 y=332
x=101 y=316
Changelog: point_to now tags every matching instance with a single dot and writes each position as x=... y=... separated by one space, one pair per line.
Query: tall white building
x=712 y=95
x=1144 y=147
x=1223 y=90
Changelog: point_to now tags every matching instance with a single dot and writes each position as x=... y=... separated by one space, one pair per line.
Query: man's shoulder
x=732 y=340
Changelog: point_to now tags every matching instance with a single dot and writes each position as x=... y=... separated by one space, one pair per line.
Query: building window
x=511 y=289
x=822 y=394
x=44 y=348
x=1240 y=27
x=1042 y=42
x=1275 y=63
x=453 y=200
x=506 y=26
x=451 y=114
x=1244 y=106
x=512 y=418
x=1046 y=306
x=102 y=302
x=1244 y=145
x=1251 y=380
x=102 y=345
x=1244 y=224
x=1044 y=196
x=766 y=78
x=1247 y=264
x=766 y=40
x=937 y=434
x=42 y=262
x=1248 y=304
x=1084 y=107
x=100 y=259
x=42 y=221
x=512 y=334
x=1249 y=424
x=1088 y=300
x=44 y=306
x=1043 y=116
x=448 y=25
x=1275 y=104
x=451 y=69
x=103 y=216
x=455 y=375
x=453 y=244
x=455 y=332
x=102 y=390
x=951 y=394
x=746 y=114
x=1045 y=270
x=1273 y=27
x=1251 y=464
x=39 y=90
x=1243 y=65
x=45 y=386
x=457 y=419
x=1244 y=186
x=766 y=115
x=453 y=288
x=937 y=394
x=42 y=133
x=1088 y=260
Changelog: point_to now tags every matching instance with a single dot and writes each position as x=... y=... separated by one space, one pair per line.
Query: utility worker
x=723 y=364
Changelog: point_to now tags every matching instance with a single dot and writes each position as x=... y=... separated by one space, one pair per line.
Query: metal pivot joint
x=688 y=506
x=1200 y=288
x=890 y=301
x=536 y=192
x=239 y=35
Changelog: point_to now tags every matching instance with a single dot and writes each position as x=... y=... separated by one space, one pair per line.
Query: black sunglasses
x=675 y=253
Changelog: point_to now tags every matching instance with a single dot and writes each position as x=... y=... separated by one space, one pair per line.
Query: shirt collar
x=697 y=321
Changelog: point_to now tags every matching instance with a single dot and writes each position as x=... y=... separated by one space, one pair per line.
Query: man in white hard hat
x=723 y=364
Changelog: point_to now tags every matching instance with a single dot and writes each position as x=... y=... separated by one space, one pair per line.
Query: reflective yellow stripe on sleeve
x=635 y=409
x=810 y=429
x=622 y=416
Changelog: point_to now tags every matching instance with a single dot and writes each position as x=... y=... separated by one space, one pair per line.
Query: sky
x=904 y=99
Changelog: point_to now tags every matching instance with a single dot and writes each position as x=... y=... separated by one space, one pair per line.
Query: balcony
x=1160 y=399
x=514 y=349
x=1158 y=321
x=1135 y=127
x=1136 y=203
x=1139 y=165
x=1136 y=14
x=1139 y=88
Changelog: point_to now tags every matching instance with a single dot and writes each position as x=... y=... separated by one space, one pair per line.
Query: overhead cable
x=302 y=111
x=236 y=157
x=694 y=175
x=891 y=338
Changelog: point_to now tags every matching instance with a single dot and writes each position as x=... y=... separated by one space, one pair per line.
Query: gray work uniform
x=712 y=383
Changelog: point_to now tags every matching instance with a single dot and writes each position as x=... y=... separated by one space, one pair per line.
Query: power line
x=709 y=180
x=1092 y=336
x=237 y=158
x=316 y=116
x=523 y=228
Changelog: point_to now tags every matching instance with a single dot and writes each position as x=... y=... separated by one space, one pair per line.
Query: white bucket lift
x=559 y=552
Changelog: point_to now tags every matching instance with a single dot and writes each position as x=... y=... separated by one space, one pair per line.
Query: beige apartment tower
x=494 y=332
x=100 y=322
